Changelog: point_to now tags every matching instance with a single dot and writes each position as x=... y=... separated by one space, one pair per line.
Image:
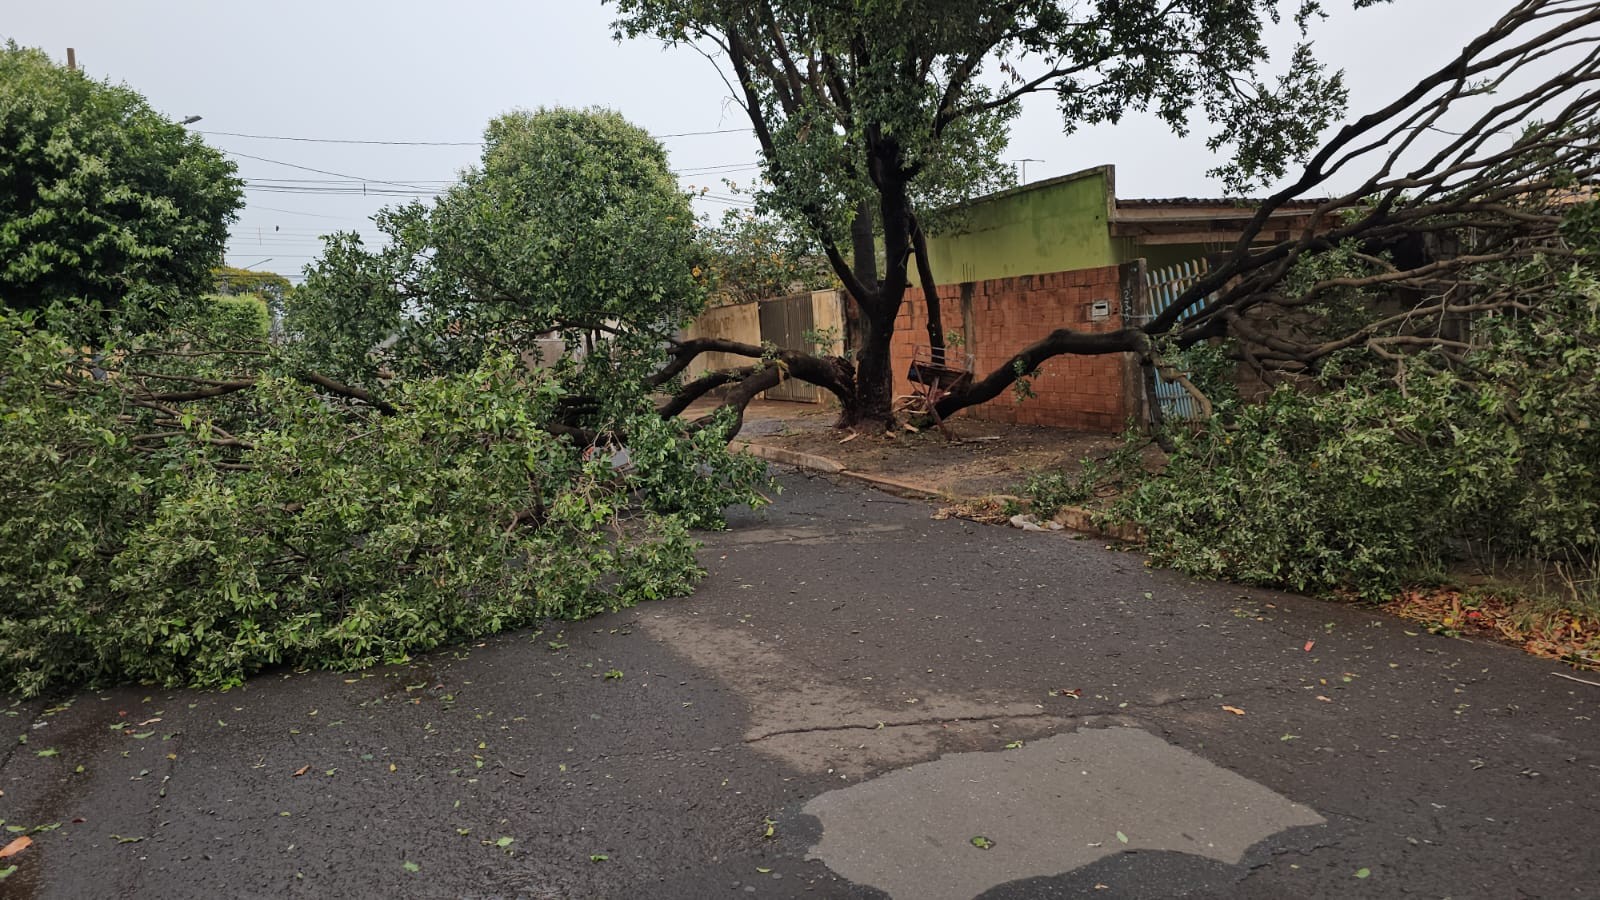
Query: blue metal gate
x=1165 y=285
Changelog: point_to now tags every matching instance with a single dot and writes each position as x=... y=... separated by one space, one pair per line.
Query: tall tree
x=868 y=110
x=571 y=229
x=110 y=213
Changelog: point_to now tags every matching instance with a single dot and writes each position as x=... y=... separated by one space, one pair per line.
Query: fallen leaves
x=1309 y=645
x=15 y=847
x=1233 y=709
x=301 y=771
x=981 y=842
x=1562 y=634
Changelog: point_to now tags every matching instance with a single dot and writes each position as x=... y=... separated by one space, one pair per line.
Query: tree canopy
x=571 y=225
x=879 y=110
x=751 y=256
x=110 y=213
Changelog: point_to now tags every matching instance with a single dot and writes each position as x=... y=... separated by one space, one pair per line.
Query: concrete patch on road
x=1048 y=808
x=806 y=719
x=807 y=535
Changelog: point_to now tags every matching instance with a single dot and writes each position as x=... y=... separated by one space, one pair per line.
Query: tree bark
x=874 y=400
x=930 y=293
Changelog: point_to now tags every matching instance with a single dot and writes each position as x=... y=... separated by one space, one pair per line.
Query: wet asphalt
x=840 y=635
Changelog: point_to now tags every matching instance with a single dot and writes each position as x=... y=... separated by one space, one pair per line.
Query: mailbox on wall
x=1099 y=310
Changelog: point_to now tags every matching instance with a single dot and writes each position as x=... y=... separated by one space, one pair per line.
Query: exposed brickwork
x=1000 y=317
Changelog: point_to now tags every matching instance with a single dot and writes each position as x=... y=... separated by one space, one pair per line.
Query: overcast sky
x=414 y=72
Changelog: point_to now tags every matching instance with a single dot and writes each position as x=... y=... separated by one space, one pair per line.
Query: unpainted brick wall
x=1000 y=317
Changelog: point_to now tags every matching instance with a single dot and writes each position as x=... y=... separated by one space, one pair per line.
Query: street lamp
x=190 y=120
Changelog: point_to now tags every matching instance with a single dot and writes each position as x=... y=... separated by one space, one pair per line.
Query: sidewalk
x=986 y=459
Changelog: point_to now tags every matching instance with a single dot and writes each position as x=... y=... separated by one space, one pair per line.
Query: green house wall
x=1051 y=226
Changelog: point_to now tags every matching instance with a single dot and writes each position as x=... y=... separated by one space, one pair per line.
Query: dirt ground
x=985 y=457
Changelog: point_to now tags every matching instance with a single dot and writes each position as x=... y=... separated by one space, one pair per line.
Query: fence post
x=1135 y=290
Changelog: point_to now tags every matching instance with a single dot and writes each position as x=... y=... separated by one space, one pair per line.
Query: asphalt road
x=859 y=701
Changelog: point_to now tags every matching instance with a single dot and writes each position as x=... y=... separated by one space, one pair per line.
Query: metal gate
x=785 y=322
x=1165 y=285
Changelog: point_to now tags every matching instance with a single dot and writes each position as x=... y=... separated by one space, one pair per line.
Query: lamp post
x=190 y=120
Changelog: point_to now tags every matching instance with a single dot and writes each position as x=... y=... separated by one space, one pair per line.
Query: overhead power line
x=311 y=140
x=279 y=162
x=295 y=212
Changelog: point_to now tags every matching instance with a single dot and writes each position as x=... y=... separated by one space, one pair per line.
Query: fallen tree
x=193 y=503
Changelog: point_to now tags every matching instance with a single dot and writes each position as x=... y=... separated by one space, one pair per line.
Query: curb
x=791 y=457
x=1072 y=517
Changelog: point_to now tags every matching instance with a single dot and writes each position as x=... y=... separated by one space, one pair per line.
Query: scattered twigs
x=1578 y=680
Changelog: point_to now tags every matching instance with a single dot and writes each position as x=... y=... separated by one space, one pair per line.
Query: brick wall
x=1000 y=317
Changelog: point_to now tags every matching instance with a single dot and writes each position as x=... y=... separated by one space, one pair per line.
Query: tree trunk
x=930 y=292
x=874 y=401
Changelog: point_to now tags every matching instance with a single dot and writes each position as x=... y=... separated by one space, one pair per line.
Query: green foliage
x=571 y=242
x=691 y=473
x=277 y=525
x=341 y=549
x=752 y=256
x=1305 y=492
x=1049 y=492
x=271 y=286
x=1022 y=388
x=247 y=313
x=111 y=216
x=942 y=79
x=1375 y=480
x=273 y=289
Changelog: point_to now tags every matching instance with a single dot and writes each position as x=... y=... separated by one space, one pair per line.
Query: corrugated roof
x=1239 y=202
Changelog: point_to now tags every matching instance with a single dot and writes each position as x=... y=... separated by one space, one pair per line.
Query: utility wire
x=307 y=140
x=279 y=162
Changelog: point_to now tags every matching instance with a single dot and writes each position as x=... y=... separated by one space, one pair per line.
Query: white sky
x=413 y=71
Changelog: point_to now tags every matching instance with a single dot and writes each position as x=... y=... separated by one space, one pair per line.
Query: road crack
x=913 y=723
